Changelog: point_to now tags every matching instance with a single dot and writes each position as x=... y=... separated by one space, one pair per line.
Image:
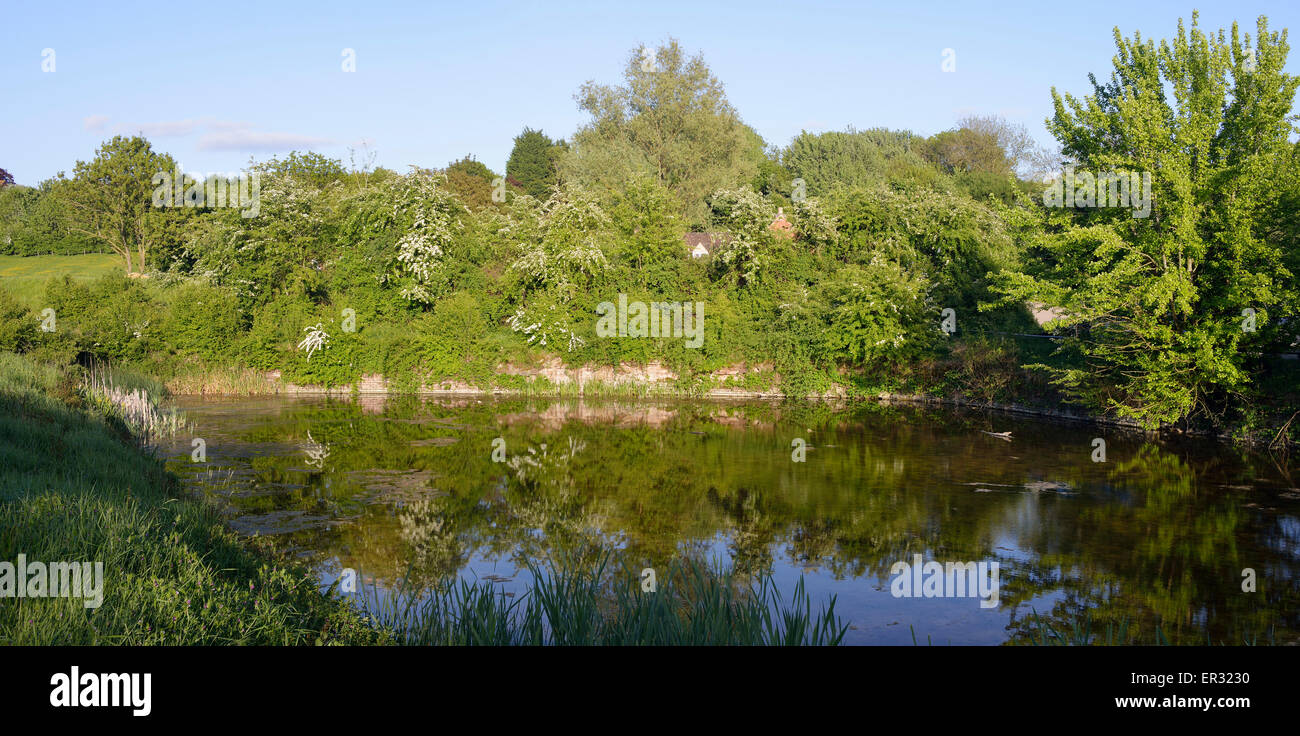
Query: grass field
x=25 y=276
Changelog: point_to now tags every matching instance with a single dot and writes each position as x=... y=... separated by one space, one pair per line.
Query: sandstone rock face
x=372 y=383
x=653 y=375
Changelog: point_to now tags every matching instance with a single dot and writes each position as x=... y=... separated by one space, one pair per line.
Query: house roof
x=708 y=240
x=781 y=226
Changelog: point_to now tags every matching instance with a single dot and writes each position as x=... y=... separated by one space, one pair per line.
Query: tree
x=533 y=162
x=773 y=179
x=856 y=158
x=963 y=151
x=472 y=181
x=6 y=179
x=310 y=167
x=1025 y=156
x=35 y=220
x=651 y=242
x=953 y=242
x=670 y=121
x=877 y=311
x=111 y=196
x=1163 y=308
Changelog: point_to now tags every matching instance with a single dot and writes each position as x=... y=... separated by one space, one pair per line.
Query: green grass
x=25 y=276
x=572 y=604
x=75 y=486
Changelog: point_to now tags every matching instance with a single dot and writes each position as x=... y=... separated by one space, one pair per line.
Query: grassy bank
x=75 y=486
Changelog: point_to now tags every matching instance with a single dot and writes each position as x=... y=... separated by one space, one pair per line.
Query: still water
x=423 y=489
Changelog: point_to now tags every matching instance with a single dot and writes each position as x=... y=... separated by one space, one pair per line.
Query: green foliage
x=111 y=198
x=472 y=182
x=202 y=320
x=773 y=179
x=17 y=324
x=309 y=168
x=112 y=318
x=965 y=150
x=873 y=313
x=450 y=335
x=649 y=233
x=533 y=163
x=670 y=121
x=955 y=242
x=1155 y=306
x=981 y=185
x=33 y=221
x=860 y=158
x=566 y=252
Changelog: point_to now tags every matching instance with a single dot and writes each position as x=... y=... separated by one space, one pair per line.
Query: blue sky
x=433 y=82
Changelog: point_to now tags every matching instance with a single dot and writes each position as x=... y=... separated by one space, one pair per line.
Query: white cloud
x=94 y=122
x=228 y=125
x=162 y=129
x=249 y=140
x=215 y=134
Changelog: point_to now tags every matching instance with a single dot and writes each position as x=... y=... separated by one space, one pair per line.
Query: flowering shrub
x=316 y=339
x=565 y=253
x=428 y=216
x=546 y=325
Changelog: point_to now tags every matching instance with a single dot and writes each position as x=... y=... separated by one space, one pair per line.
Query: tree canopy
x=670 y=120
x=1169 y=313
x=533 y=162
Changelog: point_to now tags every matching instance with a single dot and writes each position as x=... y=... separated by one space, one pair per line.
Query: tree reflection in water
x=1158 y=535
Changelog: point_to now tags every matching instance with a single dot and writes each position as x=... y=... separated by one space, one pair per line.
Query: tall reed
x=572 y=604
x=115 y=397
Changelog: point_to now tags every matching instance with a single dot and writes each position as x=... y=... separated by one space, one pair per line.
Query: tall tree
x=965 y=150
x=1170 y=311
x=533 y=162
x=671 y=121
x=1026 y=157
x=111 y=196
x=310 y=167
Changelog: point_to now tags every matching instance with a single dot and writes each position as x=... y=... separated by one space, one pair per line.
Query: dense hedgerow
x=430 y=276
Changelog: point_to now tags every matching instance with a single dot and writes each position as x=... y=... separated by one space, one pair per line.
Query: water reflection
x=429 y=489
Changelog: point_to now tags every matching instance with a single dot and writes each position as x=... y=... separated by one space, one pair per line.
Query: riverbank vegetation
x=75 y=486
x=857 y=262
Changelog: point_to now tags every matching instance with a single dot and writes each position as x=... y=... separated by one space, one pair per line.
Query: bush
x=17 y=324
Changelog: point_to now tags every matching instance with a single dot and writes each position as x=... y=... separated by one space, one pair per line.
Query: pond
x=420 y=489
